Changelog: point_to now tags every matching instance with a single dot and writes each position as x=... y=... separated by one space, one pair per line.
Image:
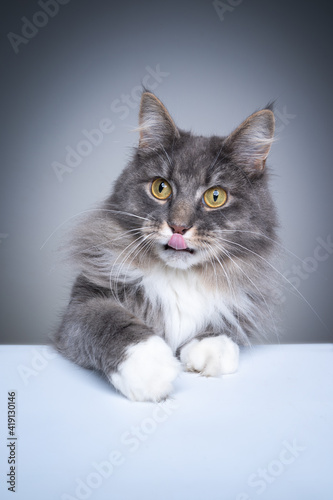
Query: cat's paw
x=147 y=372
x=211 y=356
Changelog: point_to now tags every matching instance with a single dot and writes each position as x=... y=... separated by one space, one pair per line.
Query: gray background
x=216 y=72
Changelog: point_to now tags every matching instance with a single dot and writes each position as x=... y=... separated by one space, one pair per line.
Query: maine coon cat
x=174 y=268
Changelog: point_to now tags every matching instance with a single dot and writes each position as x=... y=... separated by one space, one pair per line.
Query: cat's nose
x=179 y=229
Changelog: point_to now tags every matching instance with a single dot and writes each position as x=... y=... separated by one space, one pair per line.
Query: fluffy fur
x=138 y=304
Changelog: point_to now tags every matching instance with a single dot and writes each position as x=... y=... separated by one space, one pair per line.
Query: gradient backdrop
x=81 y=69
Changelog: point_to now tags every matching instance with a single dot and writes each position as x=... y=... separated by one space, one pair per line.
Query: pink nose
x=178 y=229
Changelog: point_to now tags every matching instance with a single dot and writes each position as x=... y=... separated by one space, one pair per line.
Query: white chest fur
x=188 y=306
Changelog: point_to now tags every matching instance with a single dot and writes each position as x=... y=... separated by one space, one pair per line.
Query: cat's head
x=187 y=200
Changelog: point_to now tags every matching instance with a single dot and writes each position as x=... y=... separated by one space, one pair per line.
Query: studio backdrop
x=72 y=77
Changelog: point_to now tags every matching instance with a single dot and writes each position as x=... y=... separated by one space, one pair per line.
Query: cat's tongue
x=177 y=242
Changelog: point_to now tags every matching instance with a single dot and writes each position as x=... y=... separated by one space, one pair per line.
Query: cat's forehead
x=198 y=148
x=196 y=157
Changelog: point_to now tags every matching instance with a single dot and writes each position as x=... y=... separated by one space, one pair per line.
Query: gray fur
x=109 y=309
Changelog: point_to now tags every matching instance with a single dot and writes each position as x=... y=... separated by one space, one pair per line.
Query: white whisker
x=261 y=235
x=239 y=330
x=228 y=254
x=92 y=210
x=135 y=231
x=282 y=276
x=120 y=267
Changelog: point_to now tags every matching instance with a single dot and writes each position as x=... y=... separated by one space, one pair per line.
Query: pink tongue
x=177 y=242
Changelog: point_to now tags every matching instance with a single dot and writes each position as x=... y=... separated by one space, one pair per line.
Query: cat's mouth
x=168 y=247
x=178 y=244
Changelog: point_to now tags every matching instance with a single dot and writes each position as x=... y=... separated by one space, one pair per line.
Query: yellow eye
x=161 y=189
x=215 y=197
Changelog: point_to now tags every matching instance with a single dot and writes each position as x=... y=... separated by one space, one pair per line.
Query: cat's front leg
x=147 y=372
x=211 y=356
x=98 y=333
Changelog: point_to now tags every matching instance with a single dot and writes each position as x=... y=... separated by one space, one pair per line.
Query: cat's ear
x=156 y=126
x=250 y=143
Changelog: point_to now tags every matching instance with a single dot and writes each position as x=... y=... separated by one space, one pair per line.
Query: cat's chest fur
x=188 y=307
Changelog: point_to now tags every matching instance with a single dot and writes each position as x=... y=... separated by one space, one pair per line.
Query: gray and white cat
x=175 y=266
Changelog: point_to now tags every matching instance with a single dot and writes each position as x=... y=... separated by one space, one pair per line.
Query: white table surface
x=265 y=432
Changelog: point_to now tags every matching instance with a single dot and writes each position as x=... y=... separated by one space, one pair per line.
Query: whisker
x=228 y=254
x=144 y=244
x=212 y=165
x=239 y=330
x=93 y=210
x=166 y=154
x=282 y=276
x=148 y=245
x=135 y=231
x=262 y=235
x=118 y=274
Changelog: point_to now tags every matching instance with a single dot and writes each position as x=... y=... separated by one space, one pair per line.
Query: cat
x=175 y=266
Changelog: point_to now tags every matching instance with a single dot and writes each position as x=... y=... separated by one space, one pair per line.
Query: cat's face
x=196 y=200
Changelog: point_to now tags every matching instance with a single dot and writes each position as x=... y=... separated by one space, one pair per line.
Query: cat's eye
x=161 y=189
x=215 y=197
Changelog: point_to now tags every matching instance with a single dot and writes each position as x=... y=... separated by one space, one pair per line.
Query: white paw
x=147 y=372
x=212 y=356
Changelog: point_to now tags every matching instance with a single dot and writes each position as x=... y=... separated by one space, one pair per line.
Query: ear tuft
x=156 y=126
x=250 y=143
